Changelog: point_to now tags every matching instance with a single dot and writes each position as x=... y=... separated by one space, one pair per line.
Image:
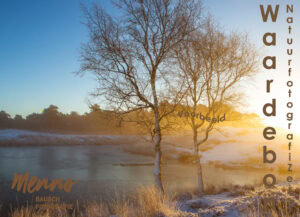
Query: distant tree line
x=99 y=121
x=52 y=120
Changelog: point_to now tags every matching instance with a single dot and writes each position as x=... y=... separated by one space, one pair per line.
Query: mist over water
x=106 y=169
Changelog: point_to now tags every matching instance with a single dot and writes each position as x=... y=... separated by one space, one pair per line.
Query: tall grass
x=276 y=202
x=272 y=209
x=146 y=202
x=34 y=212
x=149 y=202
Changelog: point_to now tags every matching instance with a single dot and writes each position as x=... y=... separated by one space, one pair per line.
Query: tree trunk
x=157 y=170
x=198 y=162
x=200 y=177
x=158 y=154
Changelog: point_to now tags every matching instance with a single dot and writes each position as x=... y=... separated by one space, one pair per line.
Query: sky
x=40 y=47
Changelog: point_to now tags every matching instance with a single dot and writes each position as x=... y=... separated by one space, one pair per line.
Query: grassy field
x=281 y=201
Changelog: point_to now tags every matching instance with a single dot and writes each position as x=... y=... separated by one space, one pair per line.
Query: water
x=102 y=171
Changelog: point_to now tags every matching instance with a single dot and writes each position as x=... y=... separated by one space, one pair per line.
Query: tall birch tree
x=127 y=52
x=214 y=65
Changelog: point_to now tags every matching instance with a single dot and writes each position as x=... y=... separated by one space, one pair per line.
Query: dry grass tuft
x=272 y=208
x=35 y=212
x=146 y=202
x=276 y=202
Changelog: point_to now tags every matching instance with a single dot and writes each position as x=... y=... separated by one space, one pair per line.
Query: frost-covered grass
x=281 y=201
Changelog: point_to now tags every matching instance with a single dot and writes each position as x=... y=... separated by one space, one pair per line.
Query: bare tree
x=213 y=64
x=126 y=53
x=144 y=119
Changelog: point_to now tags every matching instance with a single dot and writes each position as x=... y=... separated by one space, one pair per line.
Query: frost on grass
x=259 y=202
x=281 y=201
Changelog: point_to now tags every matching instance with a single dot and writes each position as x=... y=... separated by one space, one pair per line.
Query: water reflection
x=98 y=169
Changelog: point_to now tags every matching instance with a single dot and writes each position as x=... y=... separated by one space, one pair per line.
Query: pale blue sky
x=40 y=44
